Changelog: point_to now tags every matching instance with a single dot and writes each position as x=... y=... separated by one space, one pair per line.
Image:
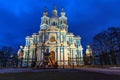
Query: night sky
x=21 y=18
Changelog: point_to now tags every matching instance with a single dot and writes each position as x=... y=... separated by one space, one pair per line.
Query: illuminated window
x=52 y=39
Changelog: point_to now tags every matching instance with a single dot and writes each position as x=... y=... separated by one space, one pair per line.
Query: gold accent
x=20 y=54
x=52 y=39
x=52 y=57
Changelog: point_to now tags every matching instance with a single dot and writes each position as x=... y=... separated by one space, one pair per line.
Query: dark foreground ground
x=58 y=76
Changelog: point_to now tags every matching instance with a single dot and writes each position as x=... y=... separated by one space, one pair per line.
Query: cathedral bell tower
x=62 y=12
x=44 y=20
x=63 y=20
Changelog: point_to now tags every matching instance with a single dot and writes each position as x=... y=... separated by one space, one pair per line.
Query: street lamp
x=42 y=56
x=62 y=50
x=11 y=60
x=43 y=50
x=76 y=59
x=63 y=56
x=35 y=60
x=68 y=59
x=28 y=55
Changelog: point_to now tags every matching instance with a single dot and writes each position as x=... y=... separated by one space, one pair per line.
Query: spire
x=62 y=12
x=62 y=9
x=88 y=51
x=45 y=9
x=54 y=7
x=88 y=46
x=45 y=13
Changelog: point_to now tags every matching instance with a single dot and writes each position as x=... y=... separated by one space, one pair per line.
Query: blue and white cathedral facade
x=53 y=38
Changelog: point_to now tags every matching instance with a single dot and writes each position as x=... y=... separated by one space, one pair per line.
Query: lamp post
x=62 y=50
x=63 y=55
x=76 y=60
x=35 y=52
x=68 y=59
x=60 y=55
x=11 y=61
x=28 y=55
x=43 y=50
x=72 y=57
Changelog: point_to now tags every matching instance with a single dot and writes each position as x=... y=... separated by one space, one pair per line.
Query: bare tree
x=6 y=54
x=107 y=46
x=7 y=50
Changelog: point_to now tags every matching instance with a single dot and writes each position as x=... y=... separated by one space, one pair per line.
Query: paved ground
x=110 y=70
x=17 y=70
x=60 y=74
x=53 y=74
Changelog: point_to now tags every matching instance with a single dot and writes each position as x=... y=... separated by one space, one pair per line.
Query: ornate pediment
x=52 y=28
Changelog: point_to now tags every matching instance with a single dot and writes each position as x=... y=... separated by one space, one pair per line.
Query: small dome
x=54 y=11
x=45 y=13
x=62 y=13
x=88 y=51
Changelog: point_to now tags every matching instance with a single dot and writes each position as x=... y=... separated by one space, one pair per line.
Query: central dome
x=54 y=18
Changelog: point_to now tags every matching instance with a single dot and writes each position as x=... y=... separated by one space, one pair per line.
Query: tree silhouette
x=5 y=53
x=106 y=44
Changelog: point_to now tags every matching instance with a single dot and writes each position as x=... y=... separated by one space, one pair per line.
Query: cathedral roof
x=77 y=37
x=28 y=37
x=35 y=33
x=54 y=18
x=70 y=34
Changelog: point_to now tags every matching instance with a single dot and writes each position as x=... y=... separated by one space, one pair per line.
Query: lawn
x=58 y=76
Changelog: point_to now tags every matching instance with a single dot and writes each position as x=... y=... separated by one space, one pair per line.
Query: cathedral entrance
x=52 y=58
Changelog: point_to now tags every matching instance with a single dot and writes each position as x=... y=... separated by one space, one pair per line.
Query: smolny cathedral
x=54 y=39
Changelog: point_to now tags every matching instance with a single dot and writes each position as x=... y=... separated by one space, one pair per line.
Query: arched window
x=61 y=21
x=42 y=22
x=53 y=23
x=68 y=43
x=65 y=22
x=46 y=22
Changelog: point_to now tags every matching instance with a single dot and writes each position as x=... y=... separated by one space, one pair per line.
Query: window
x=65 y=22
x=46 y=22
x=61 y=22
x=52 y=39
x=53 y=23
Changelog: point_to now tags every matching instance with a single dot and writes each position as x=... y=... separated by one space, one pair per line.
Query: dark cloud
x=19 y=18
